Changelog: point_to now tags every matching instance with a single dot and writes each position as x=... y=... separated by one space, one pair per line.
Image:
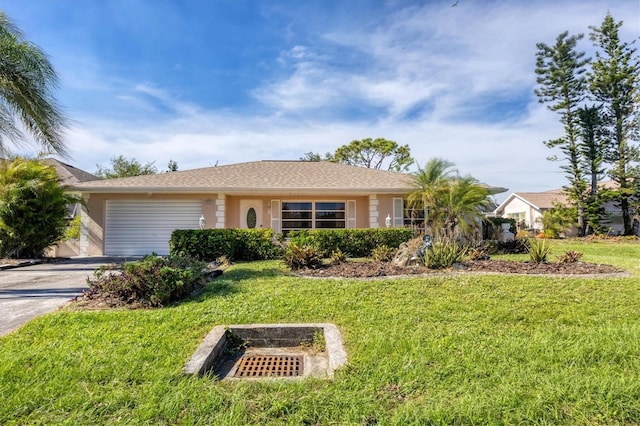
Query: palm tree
x=429 y=183
x=453 y=204
x=27 y=80
x=460 y=209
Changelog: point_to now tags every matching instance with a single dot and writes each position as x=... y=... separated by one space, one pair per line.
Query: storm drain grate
x=270 y=365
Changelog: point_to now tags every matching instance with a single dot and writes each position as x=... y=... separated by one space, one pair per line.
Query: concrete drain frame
x=269 y=351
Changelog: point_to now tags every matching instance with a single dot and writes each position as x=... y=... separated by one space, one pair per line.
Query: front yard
x=501 y=349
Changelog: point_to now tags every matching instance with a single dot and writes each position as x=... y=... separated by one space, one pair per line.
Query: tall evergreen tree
x=591 y=148
x=562 y=87
x=614 y=82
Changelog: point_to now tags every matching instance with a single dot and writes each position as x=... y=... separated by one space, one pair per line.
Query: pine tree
x=562 y=87
x=591 y=147
x=614 y=82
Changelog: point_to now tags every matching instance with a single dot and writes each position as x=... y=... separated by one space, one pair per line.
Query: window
x=520 y=218
x=296 y=216
x=414 y=217
x=313 y=215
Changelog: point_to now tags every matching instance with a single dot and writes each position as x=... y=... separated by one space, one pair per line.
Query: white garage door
x=143 y=227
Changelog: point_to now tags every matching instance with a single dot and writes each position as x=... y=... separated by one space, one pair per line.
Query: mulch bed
x=386 y=269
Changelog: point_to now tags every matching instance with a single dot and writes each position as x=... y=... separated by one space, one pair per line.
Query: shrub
x=300 y=257
x=443 y=254
x=517 y=246
x=538 y=250
x=570 y=256
x=150 y=282
x=558 y=219
x=33 y=208
x=237 y=244
x=383 y=253
x=256 y=244
x=72 y=232
x=338 y=257
x=479 y=252
x=492 y=227
x=356 y=242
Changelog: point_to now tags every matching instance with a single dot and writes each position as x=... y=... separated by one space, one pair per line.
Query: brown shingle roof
x=261 y=176
x=544 y=200
x=68 y=174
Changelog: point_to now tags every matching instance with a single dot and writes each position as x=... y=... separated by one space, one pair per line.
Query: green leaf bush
x=236 y=244
x=383 y=253
x=33 y=208
x=300 y=257
x=570 y=256
x=337 y=257
x=150 y=282
x=357 y=242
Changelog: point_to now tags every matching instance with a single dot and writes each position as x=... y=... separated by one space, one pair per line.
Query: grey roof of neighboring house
x=544 y=200
x=68 y=174
x=547 y=199
x=262 y=176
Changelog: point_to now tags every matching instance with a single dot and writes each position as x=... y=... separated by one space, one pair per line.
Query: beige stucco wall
x=385 y=208
x=215 y=207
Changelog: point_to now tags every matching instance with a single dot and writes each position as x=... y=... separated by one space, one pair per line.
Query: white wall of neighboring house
x=520 y=210
x=517 y=208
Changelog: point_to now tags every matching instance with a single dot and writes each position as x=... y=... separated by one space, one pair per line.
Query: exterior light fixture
x=387 y=221
x=202 y=221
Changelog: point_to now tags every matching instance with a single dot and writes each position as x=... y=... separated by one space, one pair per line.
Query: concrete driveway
x=29 y=291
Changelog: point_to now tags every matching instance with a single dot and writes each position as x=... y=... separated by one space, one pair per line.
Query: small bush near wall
x=354 y=242
x=237 y=244
x=492 y=227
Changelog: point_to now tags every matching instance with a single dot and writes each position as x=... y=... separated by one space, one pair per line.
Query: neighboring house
x=68 y=175
x=527 y=208
x=136 y=215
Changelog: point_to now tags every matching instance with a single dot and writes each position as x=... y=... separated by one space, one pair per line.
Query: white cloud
x=440 y=57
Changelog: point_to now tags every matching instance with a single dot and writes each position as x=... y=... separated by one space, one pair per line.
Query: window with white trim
x=313 y=215
x=519 y=217
x=407 y=215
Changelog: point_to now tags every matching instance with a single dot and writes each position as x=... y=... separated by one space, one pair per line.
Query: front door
x=251 y=214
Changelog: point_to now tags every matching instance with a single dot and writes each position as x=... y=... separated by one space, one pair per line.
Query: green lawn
x=470 y=349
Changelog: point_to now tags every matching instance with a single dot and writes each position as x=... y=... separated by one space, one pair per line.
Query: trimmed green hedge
x=354 y=242
x=236 y=244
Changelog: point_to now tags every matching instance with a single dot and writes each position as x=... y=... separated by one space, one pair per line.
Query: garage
x=143 y=227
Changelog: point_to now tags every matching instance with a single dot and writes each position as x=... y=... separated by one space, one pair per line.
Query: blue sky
x=224 y=81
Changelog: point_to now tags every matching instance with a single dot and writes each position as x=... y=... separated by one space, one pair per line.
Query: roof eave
x=235 y=190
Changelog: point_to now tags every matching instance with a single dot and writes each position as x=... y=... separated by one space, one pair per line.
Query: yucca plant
x=443 y=254
x=538 y=250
